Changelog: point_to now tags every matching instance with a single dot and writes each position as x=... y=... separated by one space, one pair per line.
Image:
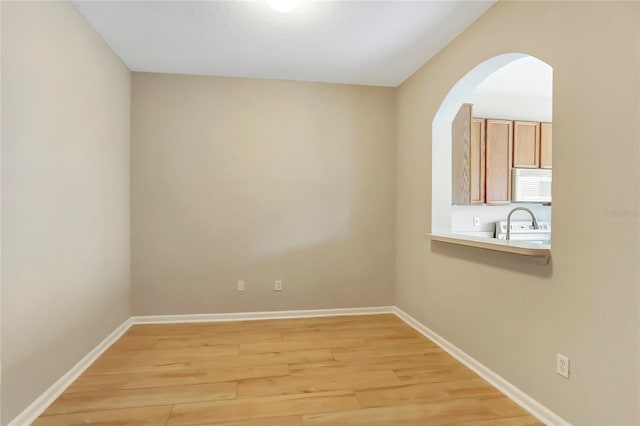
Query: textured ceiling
x=359 y=42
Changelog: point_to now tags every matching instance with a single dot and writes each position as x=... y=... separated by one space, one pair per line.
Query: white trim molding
x=37 y=407
x=250 y=316
x=536 y=409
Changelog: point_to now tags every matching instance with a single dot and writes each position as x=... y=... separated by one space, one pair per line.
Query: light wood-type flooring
x=368 y=370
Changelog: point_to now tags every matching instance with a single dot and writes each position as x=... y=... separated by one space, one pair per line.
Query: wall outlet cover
x=240 y=285
x=278 y=286
x=562 y=366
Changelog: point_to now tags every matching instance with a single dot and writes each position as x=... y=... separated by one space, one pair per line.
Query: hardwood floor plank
x=142 y=416
x=300 y=345
x=435 y=373
x=399 y=349
x=511 y=421
x=89 y=383
x=473 y=388
x=410 y=364
x=114 y=399
x=191 y=377
x=129 y=343
x=188 y=352
x=349 y=333
x=504 y=407
x=212 y=339
x=136 y=364
x=427 y=392
x=245 y=360
x=334 y=322
x=245 y=409
x=299 y=384
x=439 y=413
x=264 y=421
x=393 y=340
x=334 y=369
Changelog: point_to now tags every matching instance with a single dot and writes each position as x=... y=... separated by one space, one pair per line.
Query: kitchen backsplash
x=462 y=217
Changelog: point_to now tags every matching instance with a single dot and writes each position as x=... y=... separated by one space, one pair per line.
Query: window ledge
x=540 y=251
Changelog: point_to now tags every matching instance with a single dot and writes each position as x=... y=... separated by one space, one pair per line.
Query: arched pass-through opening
x=441 y=137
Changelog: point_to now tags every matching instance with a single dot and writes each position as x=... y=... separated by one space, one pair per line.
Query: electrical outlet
x=562 y=366
x=278 y=286
x=476 y=221
x=240 y=285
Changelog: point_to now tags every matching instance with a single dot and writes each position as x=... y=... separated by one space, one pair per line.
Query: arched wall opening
x=442 y=208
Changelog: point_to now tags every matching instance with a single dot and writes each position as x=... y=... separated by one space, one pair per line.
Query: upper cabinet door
x=526 y=144
x=477 y=159
x=460 y=156
x=546 y=142
x=499 y=144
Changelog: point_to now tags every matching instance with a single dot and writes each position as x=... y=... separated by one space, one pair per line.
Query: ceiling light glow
x=283 y=6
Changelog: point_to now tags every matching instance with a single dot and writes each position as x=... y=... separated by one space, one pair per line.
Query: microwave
x=531 y=185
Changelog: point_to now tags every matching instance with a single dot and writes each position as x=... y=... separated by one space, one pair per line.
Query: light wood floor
x=357 y=370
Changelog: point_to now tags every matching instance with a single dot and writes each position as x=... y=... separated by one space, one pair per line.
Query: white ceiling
x=528 y=76
x=377 y=43
x=521 y=90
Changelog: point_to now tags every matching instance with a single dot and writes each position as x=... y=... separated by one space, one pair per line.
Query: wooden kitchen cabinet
x=546 y=143
x=526 y=144
x=499 y=146
x=477 y=160
x=484 y=151
x=468 y=158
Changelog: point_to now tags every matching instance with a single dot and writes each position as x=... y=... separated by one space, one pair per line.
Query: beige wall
x=260 y=180
x=263 y=180
x=65 y=195
x=511 y=315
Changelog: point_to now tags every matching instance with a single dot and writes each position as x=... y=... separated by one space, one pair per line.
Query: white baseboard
x=37 y=407
x=536 y=409
x=249 y=316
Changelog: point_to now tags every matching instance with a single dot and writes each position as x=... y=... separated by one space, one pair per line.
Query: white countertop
x=522 y=248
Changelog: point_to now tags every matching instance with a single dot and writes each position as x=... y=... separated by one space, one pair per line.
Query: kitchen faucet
x=534 y=221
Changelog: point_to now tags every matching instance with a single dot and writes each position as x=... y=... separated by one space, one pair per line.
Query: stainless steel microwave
x=531 y=185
